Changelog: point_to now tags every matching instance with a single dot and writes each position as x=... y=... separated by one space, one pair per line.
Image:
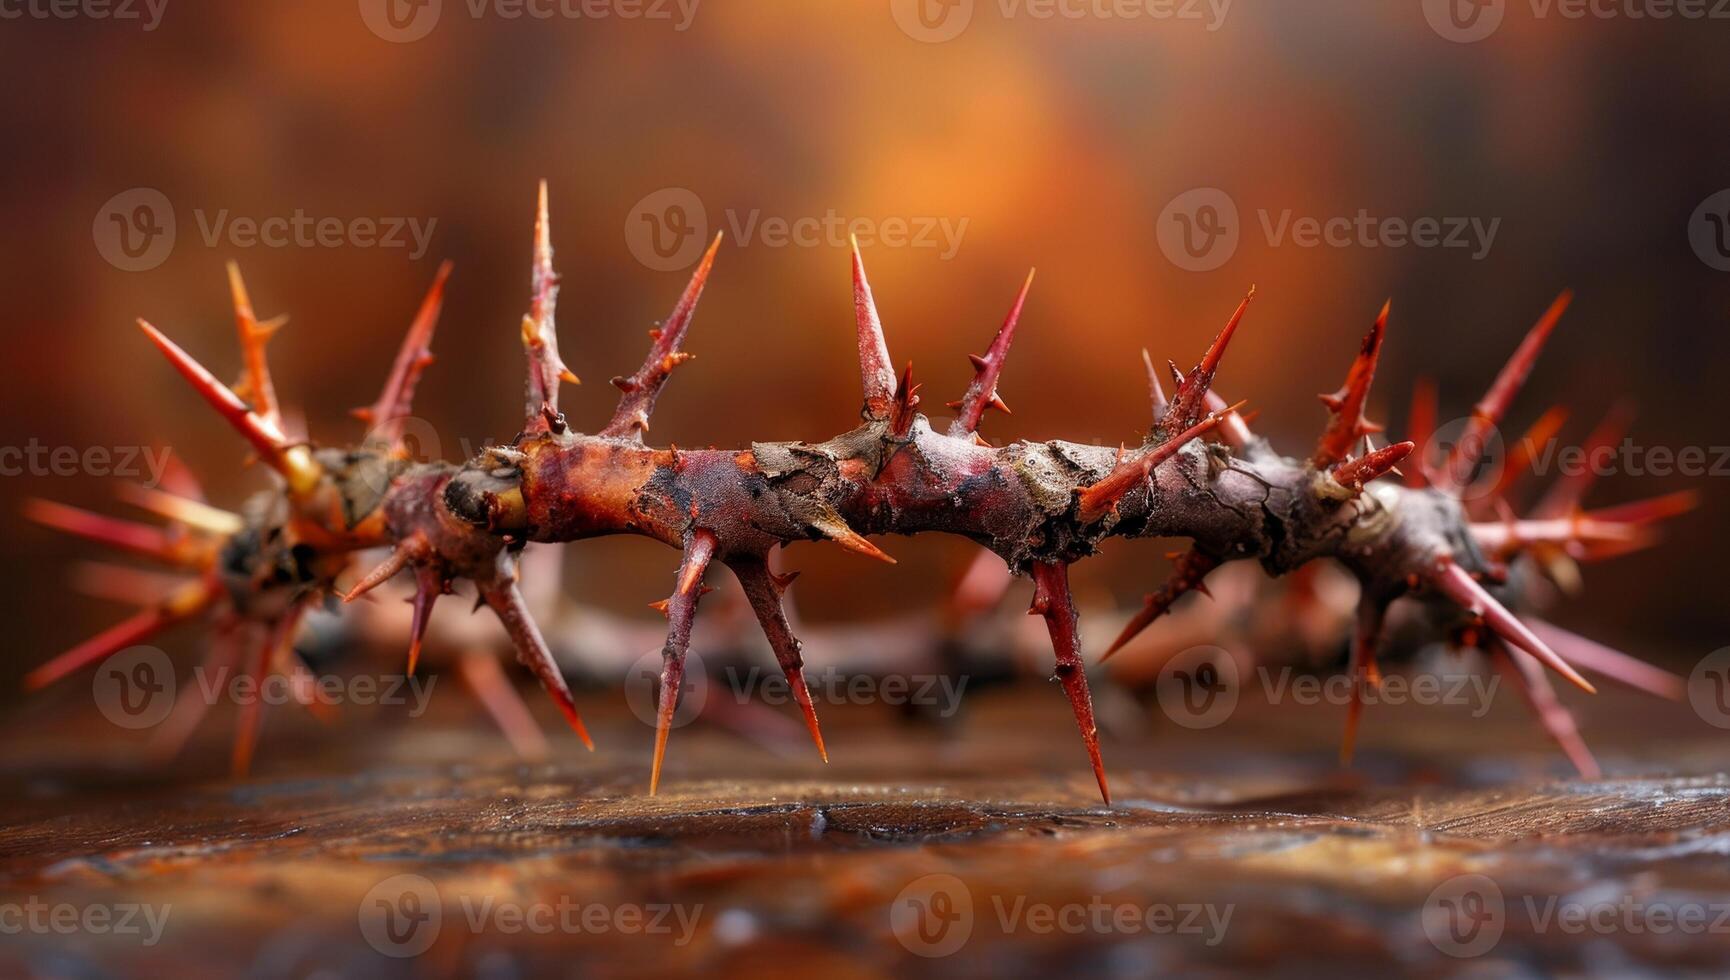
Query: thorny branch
x=1040 y=506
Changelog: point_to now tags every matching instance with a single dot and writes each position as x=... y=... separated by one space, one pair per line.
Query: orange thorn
x=378 y=576
x=251 y=717
x=1192 y=567
x=1457 y=584
x=183 y=605
x=641 y=390
x=982 y=391
x=490 y=686
x=182 y=509
x=1346 y=421
x=1456 y=471
x=143 y=539
x=1362 y=669
x=1353 y=474
x=295 y=463
x=874 y=369
x=1187 y=401
x=1053 y=599
x=396 y=399
x=252 y=341
x=1103 y=496
x=834 y=527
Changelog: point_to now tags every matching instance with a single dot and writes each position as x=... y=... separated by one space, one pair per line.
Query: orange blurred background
x=1054 y=143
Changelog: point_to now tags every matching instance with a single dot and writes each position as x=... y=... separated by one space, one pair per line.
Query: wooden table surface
x=974 y=847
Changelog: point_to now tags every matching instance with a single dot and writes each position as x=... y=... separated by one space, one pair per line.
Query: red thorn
x=1610 y=663
x=763 y=589
x=982 y=391
x=251 y=718
x=981 y=586
x=1234 y=428
x=252 y=341
x=183 y=605
x=681 y=613
x=1457 y=584
x=874 y=369
x=181 y=509
x=835 y=528
x=507 y=602
x=1353 y=474
x=1649 y=511
x=906 y=405
x=1594 y=534
x=1362 y=669
x=190 y=706
x=1569 y=492
x=1529 y=676
x=1524 y=452
x=1346 y=422
x=1155 y=393
x=396 y=400
x=490 y=686
x=124 y=583
x=698 y=551
x=509 y=712
x=1456 y=472
x=1186 y=404
x=641 y=390
x=264 y=436
x=178 y=479
x=429 y=585
x=1101 y=497
x=1192 y=567
x=379 y=575
x=142 y=539
x=539 y=334
x=1421 y=428
x=1053 y=600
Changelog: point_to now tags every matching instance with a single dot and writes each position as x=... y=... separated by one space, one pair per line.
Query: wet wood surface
x=969 y=848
